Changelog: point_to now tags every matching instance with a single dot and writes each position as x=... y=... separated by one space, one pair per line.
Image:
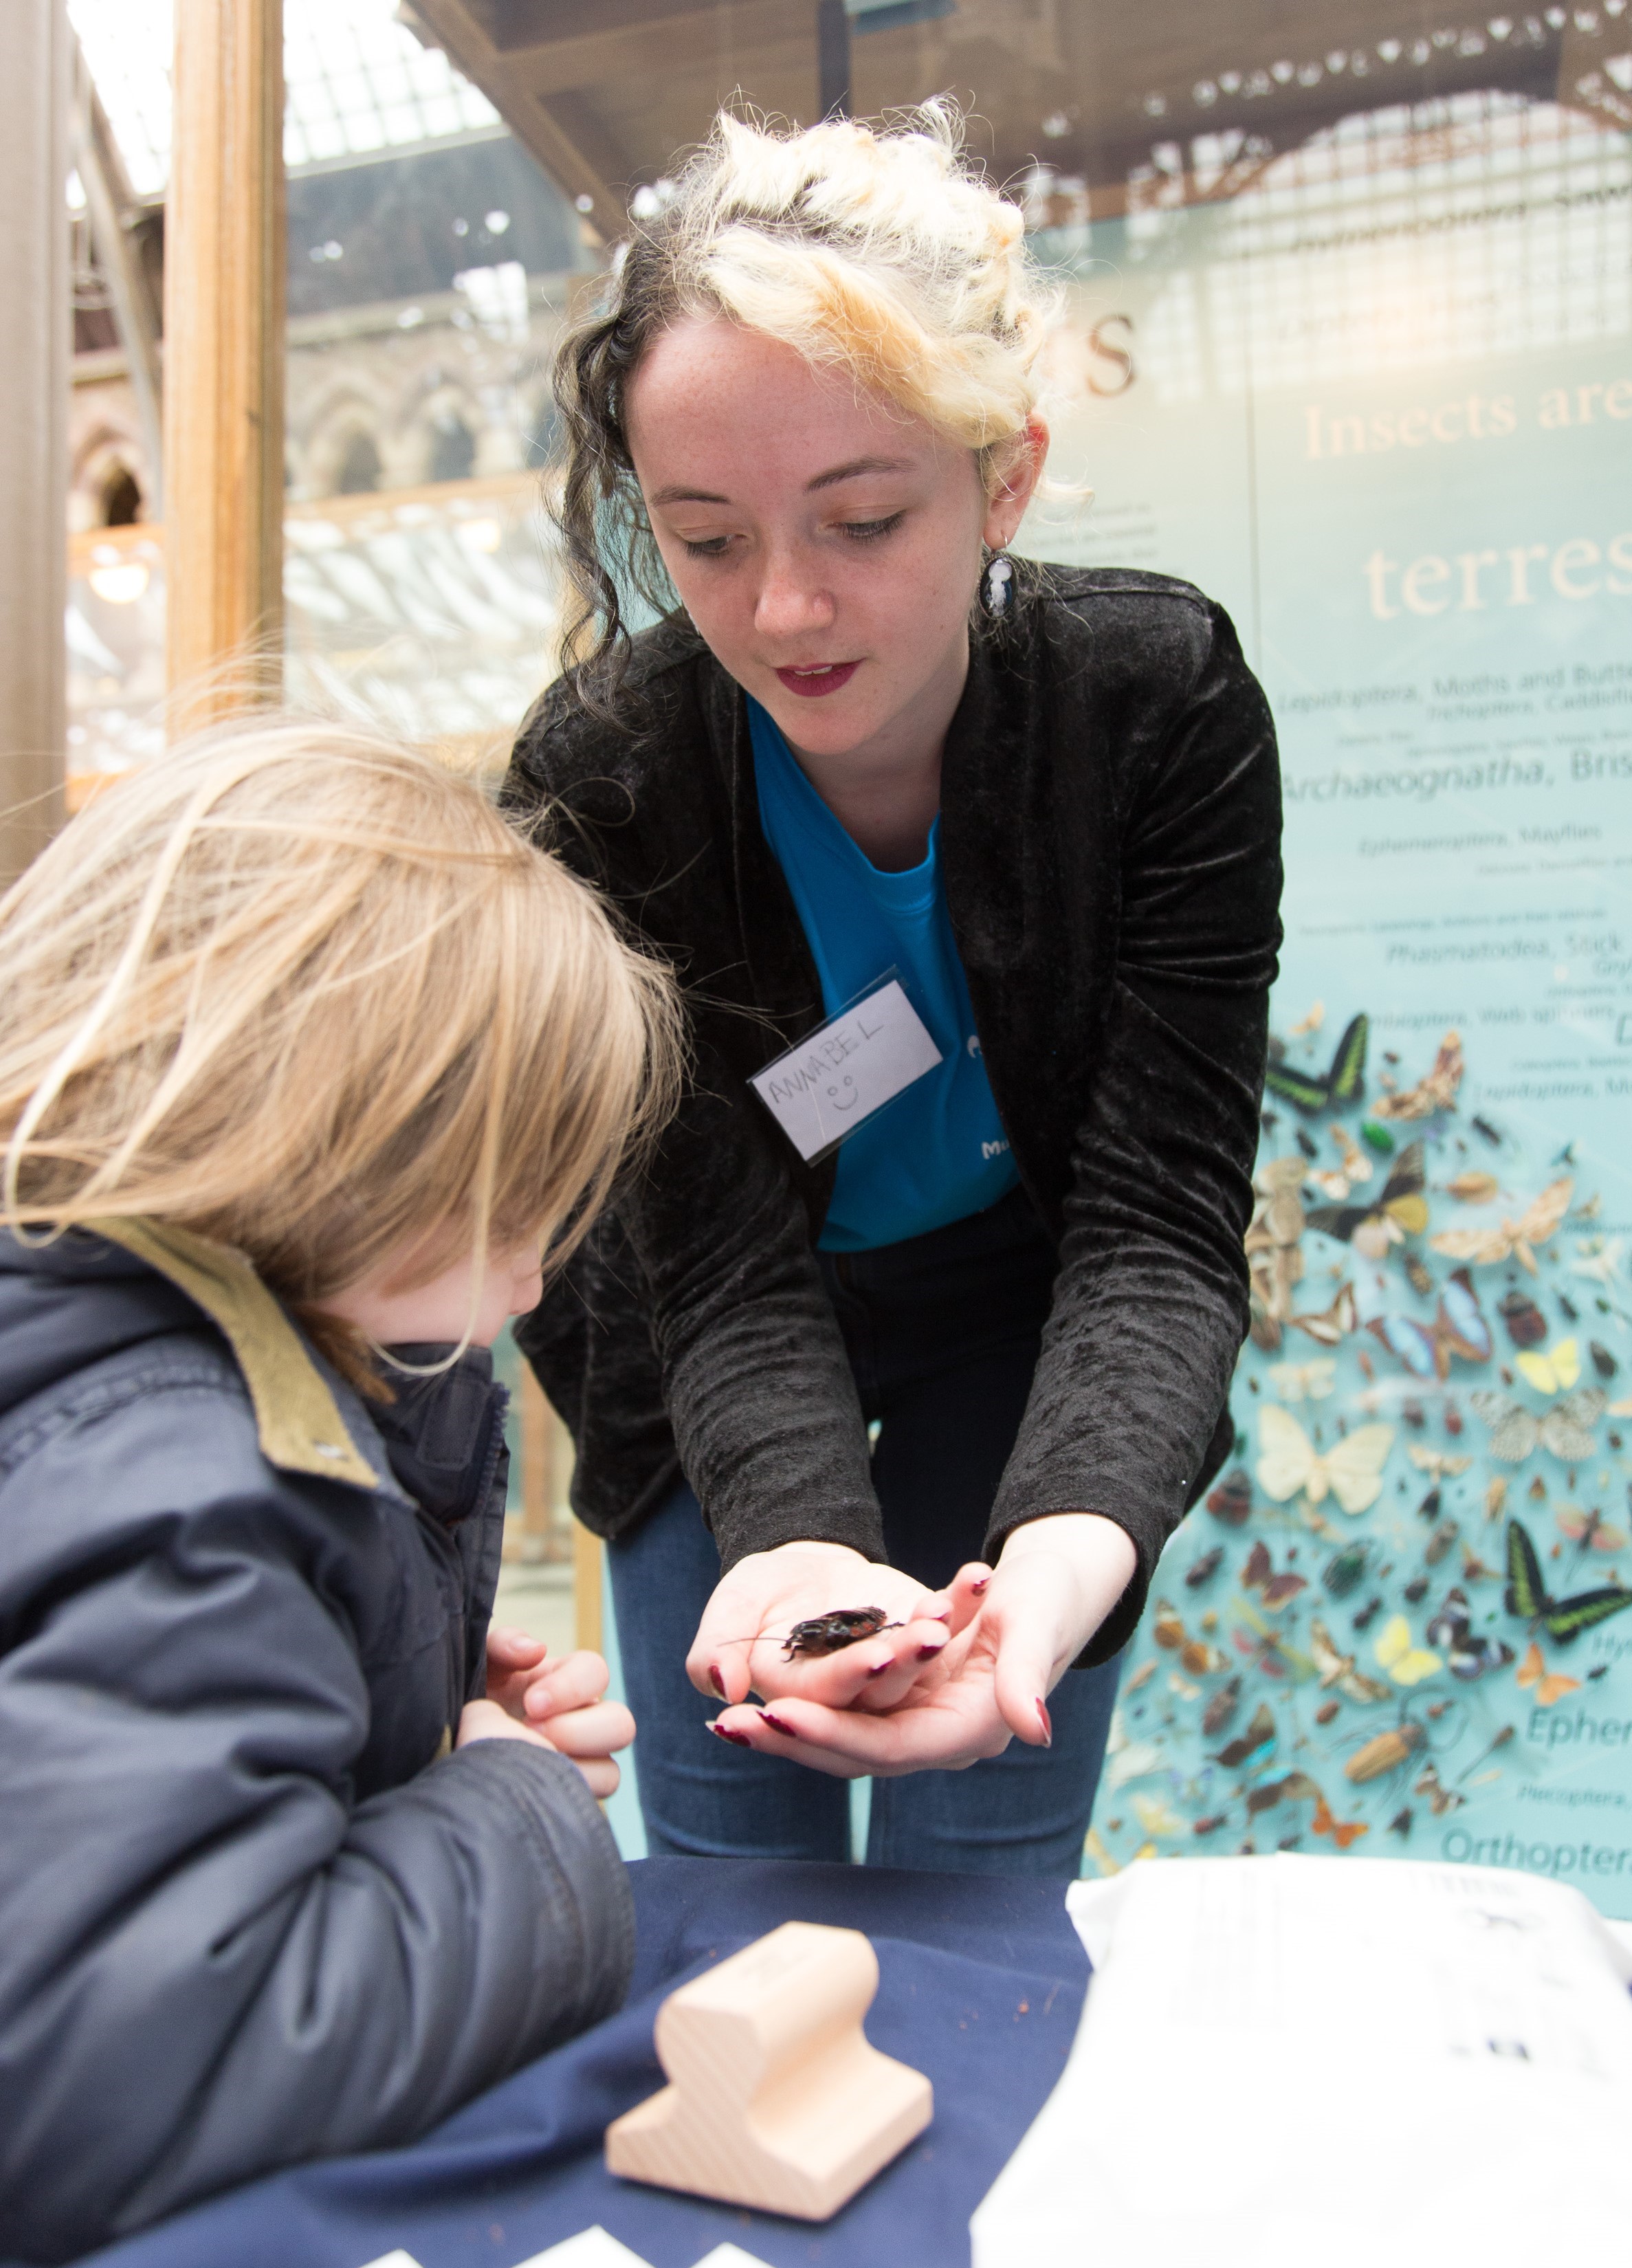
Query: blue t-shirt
x=939 y=1152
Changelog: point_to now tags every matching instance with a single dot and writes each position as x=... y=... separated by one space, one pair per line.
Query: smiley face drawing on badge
x=839 y=1098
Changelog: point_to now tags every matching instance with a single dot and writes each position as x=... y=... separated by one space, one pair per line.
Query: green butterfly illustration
x=1526 y=1594
x=1312 y=1090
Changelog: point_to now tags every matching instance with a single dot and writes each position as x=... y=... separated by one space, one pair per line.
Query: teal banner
x=1380 y=404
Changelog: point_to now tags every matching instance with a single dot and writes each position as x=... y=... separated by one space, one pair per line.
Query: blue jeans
x=943 y=1334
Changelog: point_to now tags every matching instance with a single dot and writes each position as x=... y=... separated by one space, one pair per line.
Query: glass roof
x=358 y=82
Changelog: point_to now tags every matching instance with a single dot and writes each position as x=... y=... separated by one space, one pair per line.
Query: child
x=304 y=1054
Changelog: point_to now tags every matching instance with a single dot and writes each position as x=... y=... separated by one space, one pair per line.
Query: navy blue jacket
x=252 y=1909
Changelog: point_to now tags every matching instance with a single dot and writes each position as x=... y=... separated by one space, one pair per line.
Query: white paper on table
x=1316 y=2058
x=591 y=2247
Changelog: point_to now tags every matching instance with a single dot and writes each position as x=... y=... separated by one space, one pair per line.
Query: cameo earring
x=997 y=584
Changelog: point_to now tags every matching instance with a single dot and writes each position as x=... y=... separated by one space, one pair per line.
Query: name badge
x=841 y=1076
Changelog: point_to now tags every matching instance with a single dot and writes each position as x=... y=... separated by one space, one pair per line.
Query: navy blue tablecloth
x=980 y=1985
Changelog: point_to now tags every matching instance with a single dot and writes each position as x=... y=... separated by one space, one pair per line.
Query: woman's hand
x=1057 y=1580
x=739 y=1647
x=558 y=1705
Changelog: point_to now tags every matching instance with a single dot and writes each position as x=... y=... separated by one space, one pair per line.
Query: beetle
x=831 y=1633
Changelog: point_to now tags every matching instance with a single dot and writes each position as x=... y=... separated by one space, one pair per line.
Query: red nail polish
x=879 y=1668
x=776 y=1725
x=715 y=1680
x=979 y=1584
x=928 y=1652
x=1047 y=1729
x=736 y=1739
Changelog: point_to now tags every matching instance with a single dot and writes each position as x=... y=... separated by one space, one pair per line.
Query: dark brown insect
x=1231 y=1501
x=1221 y=1707
x=1205 y=1568
x=1527 y=1325
x=831 y=1633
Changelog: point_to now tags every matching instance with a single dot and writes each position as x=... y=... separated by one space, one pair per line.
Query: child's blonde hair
x=877 y=253
x=300 y=990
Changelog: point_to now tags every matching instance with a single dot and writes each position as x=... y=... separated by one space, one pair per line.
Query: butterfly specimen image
x=1343 y=1831
x=1527 y=1595
x=1313 y=1092
x=1468 y=1654
x=1255 y=1746
x=1550 y=1371
x=1394 y=1408
x=1565 y=1430
x=1406 y=1663
x=1258 y=1575
x=1399 y=1211
x=1300 y=1382
x=1512 y=1239
x=1328 y=1326
x=1458 y=1331
x=1545 y=1686
x=1589 y=1531
x=1440 y=1798
x=1435 y=1093
x=1351 y=1470
x=1338 y=1670
x=1436 y=1461
x=1335 y=1182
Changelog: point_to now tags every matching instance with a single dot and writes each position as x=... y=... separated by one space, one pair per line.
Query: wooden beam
x=223 y=356
x=567 y=142
x=677 y=40
x=34 y=353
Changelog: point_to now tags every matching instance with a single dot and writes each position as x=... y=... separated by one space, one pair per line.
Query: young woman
x=302 y=1053
x=873 y=785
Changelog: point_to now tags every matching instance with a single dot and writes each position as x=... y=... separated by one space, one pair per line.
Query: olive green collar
x=297 y=1416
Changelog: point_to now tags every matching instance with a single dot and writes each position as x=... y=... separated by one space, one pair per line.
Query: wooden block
x=776 y=2100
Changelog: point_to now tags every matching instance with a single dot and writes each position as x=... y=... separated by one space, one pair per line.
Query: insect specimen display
x=1415 y=1561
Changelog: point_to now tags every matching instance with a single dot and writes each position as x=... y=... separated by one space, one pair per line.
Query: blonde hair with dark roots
x=878 y=253
x=298 y=989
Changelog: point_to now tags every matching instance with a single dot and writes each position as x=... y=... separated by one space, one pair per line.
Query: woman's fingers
x=600 y=1731
x=602 y=1775
x=875 y=1672
x=510 y=1648
x=851 y=1743
x=755 y=1612
x=966 y=1593
x=572 y=1683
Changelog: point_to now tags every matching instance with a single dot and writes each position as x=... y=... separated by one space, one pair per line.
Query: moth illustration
x=1434 y=1093
x=1510 y=1239
x=1565 y=1430
x=1339 y=1669
x=1352 y=1471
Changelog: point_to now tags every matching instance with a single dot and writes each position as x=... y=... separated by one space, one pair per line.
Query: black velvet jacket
x=1110 y=833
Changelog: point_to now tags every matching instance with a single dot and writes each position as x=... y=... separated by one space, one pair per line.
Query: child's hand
x=526 y=1693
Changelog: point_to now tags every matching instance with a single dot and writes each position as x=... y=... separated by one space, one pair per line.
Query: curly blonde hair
x=877 y=251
